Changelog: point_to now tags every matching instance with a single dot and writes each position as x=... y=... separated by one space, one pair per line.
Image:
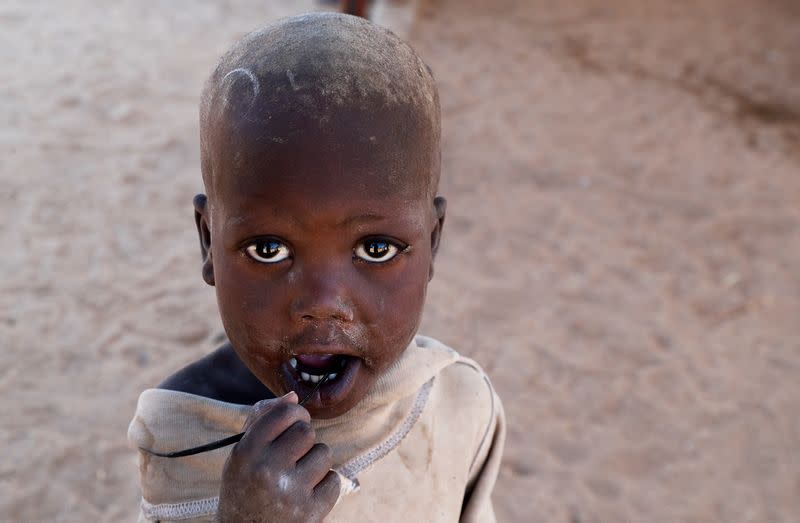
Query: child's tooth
x=332 y=376
x=314 y=379
x=305 y=376
x=293 y=363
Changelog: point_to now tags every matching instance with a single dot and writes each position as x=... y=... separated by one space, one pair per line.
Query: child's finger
x=264 y=406
x=271 y=425
x=294 y=442
x=315 y=465
x=327 y=491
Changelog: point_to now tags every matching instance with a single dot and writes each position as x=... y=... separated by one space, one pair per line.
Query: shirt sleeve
x=477 y=506
x=184 y=489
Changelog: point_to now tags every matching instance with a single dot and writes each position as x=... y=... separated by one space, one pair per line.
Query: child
x=319 y=226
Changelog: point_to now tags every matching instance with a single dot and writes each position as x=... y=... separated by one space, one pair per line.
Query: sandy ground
x=622 y=249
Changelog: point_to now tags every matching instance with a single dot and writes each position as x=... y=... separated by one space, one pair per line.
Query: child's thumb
x=262 y=407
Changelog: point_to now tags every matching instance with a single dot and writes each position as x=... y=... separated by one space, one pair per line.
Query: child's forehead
x=314 y=179
x=356 y=149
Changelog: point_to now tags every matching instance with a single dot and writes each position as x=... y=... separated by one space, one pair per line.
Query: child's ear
x=204 y=232
x=440 y=207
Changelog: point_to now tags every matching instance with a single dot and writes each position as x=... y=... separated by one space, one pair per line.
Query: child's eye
x=268 y=251
x=376 y=250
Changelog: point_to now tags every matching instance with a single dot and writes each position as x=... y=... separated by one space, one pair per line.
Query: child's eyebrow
x=366 y=217
x=234 y=221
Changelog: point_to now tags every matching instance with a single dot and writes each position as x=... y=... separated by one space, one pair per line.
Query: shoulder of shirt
x=467 y=382
x=464 y=374
x=464 y=381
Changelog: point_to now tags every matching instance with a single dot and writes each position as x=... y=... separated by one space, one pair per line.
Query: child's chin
x=330 y=411
x=335 y=396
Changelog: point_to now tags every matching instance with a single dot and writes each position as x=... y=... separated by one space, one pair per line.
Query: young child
x=319 y=226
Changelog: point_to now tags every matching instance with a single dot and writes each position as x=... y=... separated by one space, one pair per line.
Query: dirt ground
x=622 y=248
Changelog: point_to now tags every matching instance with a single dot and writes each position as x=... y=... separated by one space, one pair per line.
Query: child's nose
x=323 y=295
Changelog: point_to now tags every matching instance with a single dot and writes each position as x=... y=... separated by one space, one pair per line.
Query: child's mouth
x=313 y=367
x=303 y=373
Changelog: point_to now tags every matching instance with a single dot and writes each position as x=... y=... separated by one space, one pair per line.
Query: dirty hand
x=276 y=472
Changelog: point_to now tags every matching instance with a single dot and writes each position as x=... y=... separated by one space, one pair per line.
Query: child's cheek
x=248 y=306
x=398 y=306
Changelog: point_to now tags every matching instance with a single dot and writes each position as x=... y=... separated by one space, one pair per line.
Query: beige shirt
x=424 y=445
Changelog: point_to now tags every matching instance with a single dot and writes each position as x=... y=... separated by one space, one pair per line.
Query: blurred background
x=621 y=252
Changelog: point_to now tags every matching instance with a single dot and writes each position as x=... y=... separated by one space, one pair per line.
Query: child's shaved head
x=326 y=77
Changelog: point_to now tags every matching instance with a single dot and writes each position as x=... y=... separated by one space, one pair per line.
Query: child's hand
x=276 y=472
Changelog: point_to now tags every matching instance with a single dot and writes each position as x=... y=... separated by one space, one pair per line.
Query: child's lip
x=319 y=350
x=316 y=360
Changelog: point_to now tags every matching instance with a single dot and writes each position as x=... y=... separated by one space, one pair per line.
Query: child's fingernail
x=291 y=396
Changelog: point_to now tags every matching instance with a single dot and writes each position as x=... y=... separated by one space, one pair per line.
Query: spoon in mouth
x=315 y=389
x=225 y=441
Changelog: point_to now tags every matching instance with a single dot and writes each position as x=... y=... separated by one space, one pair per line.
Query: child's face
x=320 y=264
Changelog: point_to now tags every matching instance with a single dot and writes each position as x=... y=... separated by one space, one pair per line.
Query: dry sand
x=621 y=253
